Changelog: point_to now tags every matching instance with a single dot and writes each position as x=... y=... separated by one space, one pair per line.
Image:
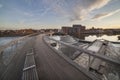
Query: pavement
x=51 y=66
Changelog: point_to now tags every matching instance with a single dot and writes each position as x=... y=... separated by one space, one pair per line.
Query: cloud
x=1 y=5
x=27 y=14
x=104 y=15
x=74 y=9
x=55 y=6
x=24 y=13
x=84 y=7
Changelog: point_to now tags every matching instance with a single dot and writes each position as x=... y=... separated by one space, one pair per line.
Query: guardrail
x=110 y=67
x=105 y=58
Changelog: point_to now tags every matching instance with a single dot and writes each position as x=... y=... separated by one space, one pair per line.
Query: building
x=94 y=31
x=78 y=30
x=75 y=29
x=66 y=30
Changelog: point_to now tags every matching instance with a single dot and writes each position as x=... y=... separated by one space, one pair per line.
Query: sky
x=42 y=14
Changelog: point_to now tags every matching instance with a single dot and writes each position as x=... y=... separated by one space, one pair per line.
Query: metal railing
x=107 y=68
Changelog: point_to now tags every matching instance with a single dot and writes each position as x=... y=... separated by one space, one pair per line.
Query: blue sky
x=37 y=14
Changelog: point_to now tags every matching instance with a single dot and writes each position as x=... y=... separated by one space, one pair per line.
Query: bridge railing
x=100 y=65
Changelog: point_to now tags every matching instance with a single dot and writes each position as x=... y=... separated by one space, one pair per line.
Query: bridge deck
x=51 y=66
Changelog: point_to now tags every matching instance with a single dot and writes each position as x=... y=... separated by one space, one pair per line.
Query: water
x=94 y=37
x=106 y=37
x=5 y=40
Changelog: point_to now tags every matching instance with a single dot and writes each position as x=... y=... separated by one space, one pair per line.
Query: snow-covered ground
x=95 y=46
x=55 y=37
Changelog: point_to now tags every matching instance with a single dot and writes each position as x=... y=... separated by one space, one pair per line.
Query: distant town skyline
x=43 y=14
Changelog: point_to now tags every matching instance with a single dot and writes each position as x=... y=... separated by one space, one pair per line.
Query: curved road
x=50 y=66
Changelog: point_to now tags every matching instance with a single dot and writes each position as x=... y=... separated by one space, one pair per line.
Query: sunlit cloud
x=84 y=7
x=77 y=9
x=59 y=12
x=104 y=15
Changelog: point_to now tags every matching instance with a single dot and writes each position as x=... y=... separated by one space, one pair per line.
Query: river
x=106 y=37
x=5 y=40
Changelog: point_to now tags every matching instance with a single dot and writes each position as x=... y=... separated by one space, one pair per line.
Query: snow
x=82 y=60
x=95 y=46
x=55 y=37
x=68 y=39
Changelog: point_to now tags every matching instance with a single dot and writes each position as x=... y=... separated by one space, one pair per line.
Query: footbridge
x=34 y=57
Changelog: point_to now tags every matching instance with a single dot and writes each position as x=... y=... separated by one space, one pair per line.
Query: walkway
x=50 y=66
